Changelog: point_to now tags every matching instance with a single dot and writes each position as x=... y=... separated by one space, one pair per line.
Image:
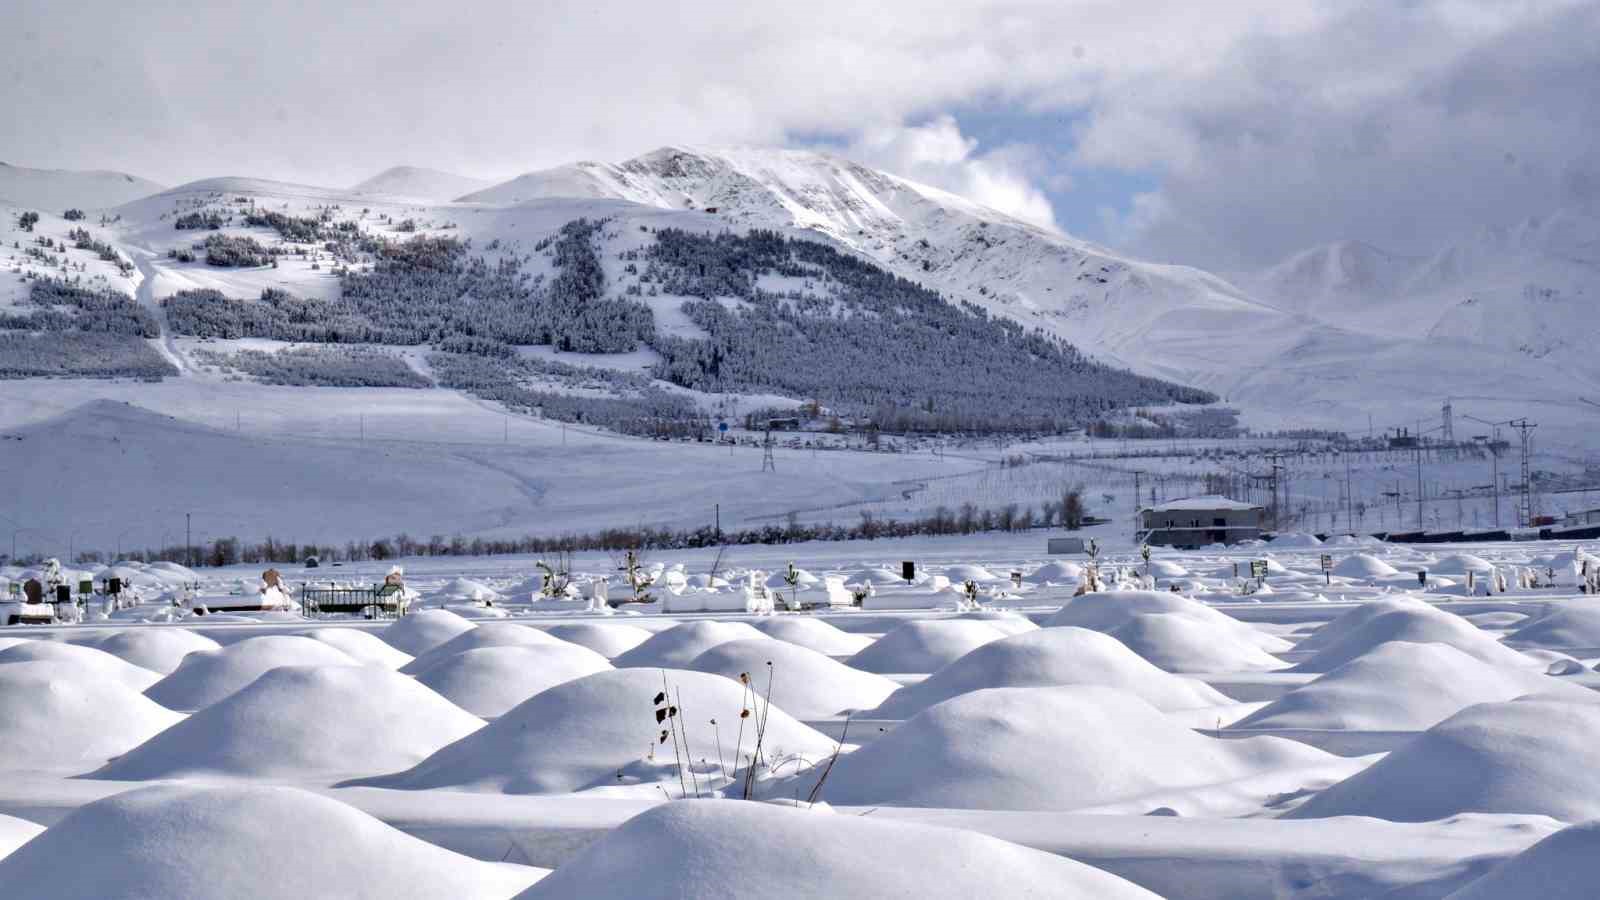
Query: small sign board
x=1054 y=546
x=1327 y=563
x=908 y=570
x=722 y=427
x=1258 y=568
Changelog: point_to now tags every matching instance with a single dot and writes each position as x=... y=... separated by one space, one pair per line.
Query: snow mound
x=601 y=730
x=924 y=645
x=1426 y=625
x=489 y=634
x=813 y=634
x=1364 y=566
x=1571 y=624
x=1051 y=657
x=421 y=631
x=361 y=646
x=1401 y=686
x=53 y=719
x=1110 y=610
x=803 y=682
x=1460 y=564
x=157 y=649
x=316 y=722
x=1534 y=756
x=1056 y=573
x=488 y=681
x=967 y=572
x=1043 y=748
x=702 y=849
x=1357 y=618
x=1563 y=866
x=677 y=646
x=874 y=575
x=1011 y=623
x=608 y=640
x=264 y=843
x=1166 y=568
x=204 y=678
x=91 y=665
x=462 y=590
x=1181 y=643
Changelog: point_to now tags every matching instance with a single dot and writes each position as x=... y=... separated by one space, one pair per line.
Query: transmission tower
x=1527 y=510
x=1449 y=428
x=768 y=464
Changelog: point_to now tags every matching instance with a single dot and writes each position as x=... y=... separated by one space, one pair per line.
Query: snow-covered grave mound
x=361 y=646
x=876 y=575
x=1460 y=564
x=1357 y=618
x=1110 y=610
x=609 y=639
x=421 y=631
x=1401 y=686
x=1042 y=748
x=15 y=832
x=1571 y=623
x=1166 y=568
x=1178 y=642
x=54 y=719
x=489 y=634
x=813 y=634
x=1008 y=622
x=91 y=665
x=1049 y=657
x=1425 y=625
x=677 y=646
x=703 y=849
x=487 y=681
x=926 y=645
x=319 y=723
x=968 y=572
x=461 y=590
x=1563 y=866
x=156 y=648
x=803 y=682
x=200 y=843
x=205 y=677
x=1364 y=567
x=1502 y=620
x=1059 y=573
x=1533 y=755
x=601 y=730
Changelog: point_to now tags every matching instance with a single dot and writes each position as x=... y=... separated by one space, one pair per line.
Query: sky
x=1222 y=135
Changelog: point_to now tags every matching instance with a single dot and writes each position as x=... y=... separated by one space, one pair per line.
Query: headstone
x=33 y=590
x=272 y=578
x=908 y=570
x=63 y=593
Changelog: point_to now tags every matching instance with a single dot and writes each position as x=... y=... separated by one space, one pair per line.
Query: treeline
x=79 y=354
x=276 y=315
x=95 y=307
x=235 y=251
x=637 y=407
x=232 y=551
x=321 y=366
x=858 y=338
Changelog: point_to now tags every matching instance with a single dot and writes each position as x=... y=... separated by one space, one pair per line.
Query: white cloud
x=938 y=154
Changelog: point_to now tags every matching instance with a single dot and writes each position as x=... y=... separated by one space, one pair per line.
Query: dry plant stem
x=844 y=732
x=687 y=753
x=683 y=786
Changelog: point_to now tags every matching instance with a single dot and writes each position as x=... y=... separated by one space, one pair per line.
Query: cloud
x=936 y=153
x=1407 y=126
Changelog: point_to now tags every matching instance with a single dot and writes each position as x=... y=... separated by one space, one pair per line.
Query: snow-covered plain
x=1320 y=735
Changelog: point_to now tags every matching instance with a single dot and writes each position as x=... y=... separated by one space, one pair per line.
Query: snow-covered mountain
x=56 y=190
x=1144 y=315
x=420 y=183
x=1333 y=273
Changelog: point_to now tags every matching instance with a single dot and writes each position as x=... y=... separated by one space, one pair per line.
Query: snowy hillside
x=1122 y=310
x=56 y=190
x=1319 y=278
x=422 y=184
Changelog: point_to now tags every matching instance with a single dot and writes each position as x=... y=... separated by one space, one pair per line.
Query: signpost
x=1327 y=568
x=1258 y=571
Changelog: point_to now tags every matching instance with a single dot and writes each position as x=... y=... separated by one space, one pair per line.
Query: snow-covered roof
x=1208 y=501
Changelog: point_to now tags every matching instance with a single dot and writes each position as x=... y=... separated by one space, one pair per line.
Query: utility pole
x=1419 y=483
x=718 y=515
x=1136 y=498
x=188 y=540
x=1526 y=512
x=1349 y=490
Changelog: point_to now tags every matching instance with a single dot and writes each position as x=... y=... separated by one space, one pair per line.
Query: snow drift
x=52 y=719
x=803 y=683
x=488 y=681
x=609 y=640
x=304 y=722
x=677 y=646
x=226 y=842
x=601 y=730
x=813 y=634
x=1110 y=610
x=204 y=678
x=1424 y=625
x=156 y=648
x=924 y=646
x=1050 y=657
x=489 y=634
x=361 y=646
x=703 y=849
x=1178 y=642
x=92 y=666
x=423 y=630
x=1563 y=866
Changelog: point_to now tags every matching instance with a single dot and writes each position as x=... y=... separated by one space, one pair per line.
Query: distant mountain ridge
x=56 y=190
x=421 y=183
